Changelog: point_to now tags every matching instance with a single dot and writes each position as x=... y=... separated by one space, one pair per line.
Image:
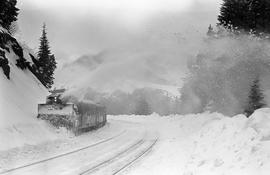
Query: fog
x=118 y=45
x=122 y=49
x=156 y=55
x=126 y=46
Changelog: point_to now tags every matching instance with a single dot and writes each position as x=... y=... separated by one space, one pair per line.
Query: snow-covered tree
x=255 y=98
x=13 y=28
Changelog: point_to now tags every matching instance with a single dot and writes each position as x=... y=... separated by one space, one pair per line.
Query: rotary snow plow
x=80 y=116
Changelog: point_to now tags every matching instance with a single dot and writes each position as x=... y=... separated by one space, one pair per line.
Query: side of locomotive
x=77 y=117
x=91 y=116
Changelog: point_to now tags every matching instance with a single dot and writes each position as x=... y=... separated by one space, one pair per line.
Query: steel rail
x=62 y=155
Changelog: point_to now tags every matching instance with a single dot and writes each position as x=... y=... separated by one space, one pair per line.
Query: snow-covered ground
x=27 y=154
x=196 y=144
x=19 y=97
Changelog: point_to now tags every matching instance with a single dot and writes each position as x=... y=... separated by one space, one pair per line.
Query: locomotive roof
x=56 y=92
x=84 y=107
x=90 y=102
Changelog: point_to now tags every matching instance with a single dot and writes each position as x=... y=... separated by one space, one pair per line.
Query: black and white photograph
x=134 y=87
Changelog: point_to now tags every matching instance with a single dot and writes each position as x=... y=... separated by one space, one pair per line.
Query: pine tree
x=255 y=98
x=46 y=61
x=235 y=14
x=8 y=12
x=245 y=15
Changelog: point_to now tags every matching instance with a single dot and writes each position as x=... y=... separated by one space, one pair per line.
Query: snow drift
x=19 y=98
x=237 y=145
x=207 y=144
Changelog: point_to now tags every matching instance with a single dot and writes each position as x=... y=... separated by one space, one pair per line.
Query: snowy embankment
x=208 y=143
x=19 y=97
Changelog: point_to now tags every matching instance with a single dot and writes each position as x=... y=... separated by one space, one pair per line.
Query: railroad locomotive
x=79 y=116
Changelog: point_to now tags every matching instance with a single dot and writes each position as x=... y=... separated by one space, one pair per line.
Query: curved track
x=135 y=159
x=62 y=155
x=109 y=156
x=123 y=159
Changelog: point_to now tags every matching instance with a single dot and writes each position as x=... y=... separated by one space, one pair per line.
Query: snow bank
x=207 y=144
x=259 y=121
x=237 y=145
x=19 y=97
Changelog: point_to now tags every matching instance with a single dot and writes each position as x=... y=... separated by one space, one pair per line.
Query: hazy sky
x=123 y=32
x=77 y=27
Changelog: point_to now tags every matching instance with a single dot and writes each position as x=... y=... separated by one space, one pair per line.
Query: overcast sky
x=77 y=27
x=166 y=29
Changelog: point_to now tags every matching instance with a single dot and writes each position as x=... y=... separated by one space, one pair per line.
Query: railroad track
x=135 y=159
x=62 y=155
x=123 y=159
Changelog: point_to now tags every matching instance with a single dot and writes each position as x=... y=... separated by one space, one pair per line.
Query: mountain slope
x=20 y=93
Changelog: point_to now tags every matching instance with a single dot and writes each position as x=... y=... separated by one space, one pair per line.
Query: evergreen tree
x=46 y=61
x=245 y=15
x=8 y=12
x=255 y=98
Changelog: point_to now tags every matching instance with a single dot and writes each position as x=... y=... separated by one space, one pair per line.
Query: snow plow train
x=81 y=116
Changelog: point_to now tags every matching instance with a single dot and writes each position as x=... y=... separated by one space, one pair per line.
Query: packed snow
x=195 y=144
